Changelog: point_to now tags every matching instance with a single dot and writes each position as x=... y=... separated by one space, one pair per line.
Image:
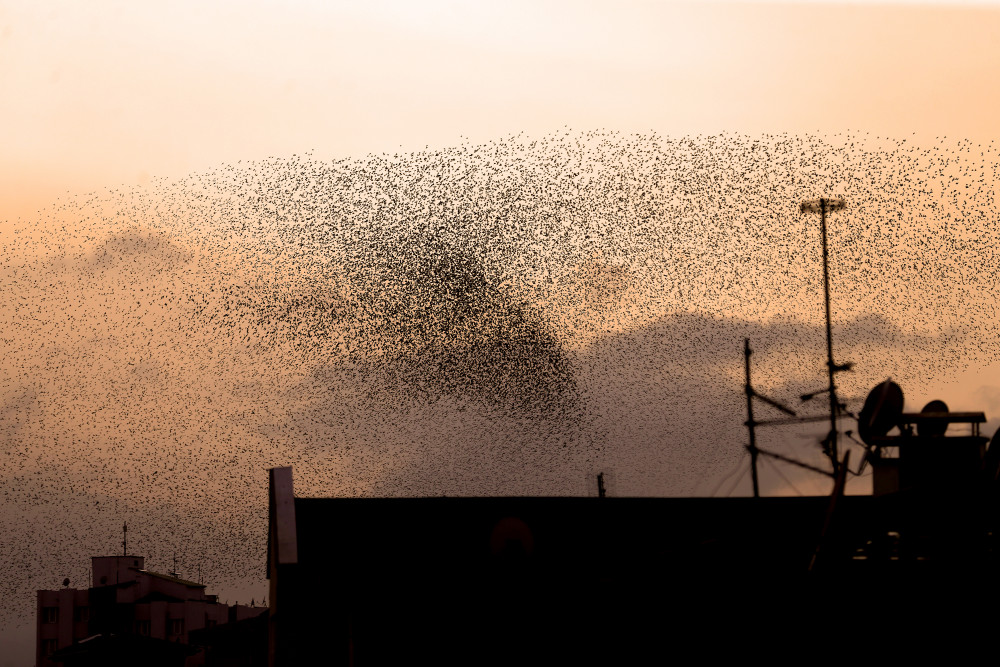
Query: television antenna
x=821 y=206
x=752 y=424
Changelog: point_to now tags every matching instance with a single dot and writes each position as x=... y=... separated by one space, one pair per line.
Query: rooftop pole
x=751 y=424
x=832 y=437
x=822 y=206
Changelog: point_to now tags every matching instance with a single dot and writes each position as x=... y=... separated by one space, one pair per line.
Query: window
x=49 y=646
x=50 y=614
x=142 y=628
x=176 y=626
x=210 y=622
x=81 y=614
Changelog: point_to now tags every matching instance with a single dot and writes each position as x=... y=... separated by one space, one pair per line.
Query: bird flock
x=501 y=318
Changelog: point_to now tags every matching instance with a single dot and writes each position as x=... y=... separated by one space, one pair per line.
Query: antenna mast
x=751 y=424
x=830 y=442
x=125 y=539
x=822 y=206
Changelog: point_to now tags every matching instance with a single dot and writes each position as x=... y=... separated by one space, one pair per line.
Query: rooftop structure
x=129 y=614
x=526 y=580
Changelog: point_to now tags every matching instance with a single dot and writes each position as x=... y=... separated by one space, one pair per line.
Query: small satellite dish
x=933 y=428
x=881 y=411
x=66 y=582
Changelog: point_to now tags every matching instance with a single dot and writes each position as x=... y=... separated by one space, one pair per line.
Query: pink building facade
x=127 y=599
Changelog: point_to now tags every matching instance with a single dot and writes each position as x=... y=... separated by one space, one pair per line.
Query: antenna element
x=822 y=206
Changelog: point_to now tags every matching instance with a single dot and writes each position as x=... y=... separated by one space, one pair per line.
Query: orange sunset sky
x=104 y=93
x=108 y=94
x=147 y=153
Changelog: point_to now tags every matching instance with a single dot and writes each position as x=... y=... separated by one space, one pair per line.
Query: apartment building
x=129 y=613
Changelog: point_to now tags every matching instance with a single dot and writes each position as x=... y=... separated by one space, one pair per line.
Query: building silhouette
x=592 y=580
x=130 y=615
x=603 y=580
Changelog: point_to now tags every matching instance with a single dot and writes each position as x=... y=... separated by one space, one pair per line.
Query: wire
x=725 y=477
x=775 y=467
x=738 y=480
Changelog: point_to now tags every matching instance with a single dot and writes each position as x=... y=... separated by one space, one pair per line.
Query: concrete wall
x=109 y=570
x=65 y=628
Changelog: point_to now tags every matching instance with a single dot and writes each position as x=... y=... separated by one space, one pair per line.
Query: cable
x=782 y=475
x=725 y=477
x=738 y=480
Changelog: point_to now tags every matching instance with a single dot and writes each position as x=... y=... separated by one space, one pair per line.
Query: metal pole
x=750 y=422
x=839 y=481
x=832 y=437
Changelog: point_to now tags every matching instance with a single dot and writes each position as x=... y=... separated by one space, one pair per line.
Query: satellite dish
x=66 y=581
x=933 y=428
x=881 y=412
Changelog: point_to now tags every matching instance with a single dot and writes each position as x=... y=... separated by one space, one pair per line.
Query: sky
x=108 y=93
x=163 y=169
